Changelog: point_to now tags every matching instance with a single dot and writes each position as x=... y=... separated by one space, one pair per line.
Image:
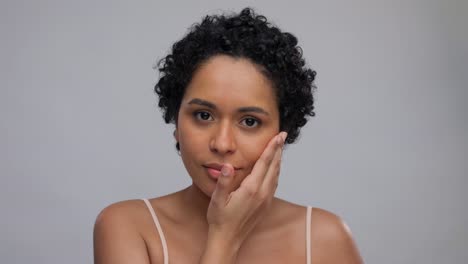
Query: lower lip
x=213 y=173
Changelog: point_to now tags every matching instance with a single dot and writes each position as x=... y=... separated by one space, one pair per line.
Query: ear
x=176 y=135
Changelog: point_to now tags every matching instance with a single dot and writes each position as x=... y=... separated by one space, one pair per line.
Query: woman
x=237 y=90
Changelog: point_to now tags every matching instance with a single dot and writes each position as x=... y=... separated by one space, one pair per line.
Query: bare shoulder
x=121 y=211
x=117 y=236
x=332 y=241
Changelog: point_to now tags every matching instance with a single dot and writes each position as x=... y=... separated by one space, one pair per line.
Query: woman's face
x=228 y=114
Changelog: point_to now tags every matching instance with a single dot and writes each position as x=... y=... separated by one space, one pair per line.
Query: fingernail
x=278 y=140
x=285 y=135
x=225 y=171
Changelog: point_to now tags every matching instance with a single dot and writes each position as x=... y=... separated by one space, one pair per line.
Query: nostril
x=222 y=147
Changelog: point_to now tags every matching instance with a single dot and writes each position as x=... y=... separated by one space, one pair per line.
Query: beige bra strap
x=158 y=227
x=308 y=218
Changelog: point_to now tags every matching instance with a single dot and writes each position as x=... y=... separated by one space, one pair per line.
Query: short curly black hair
x=244 y=35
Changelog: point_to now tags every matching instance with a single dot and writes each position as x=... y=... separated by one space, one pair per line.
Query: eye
x=202 y=115
x=251 y=122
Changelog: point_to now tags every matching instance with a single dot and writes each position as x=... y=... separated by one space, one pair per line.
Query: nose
x=222 y=140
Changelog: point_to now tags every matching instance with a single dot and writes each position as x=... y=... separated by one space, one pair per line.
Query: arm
x=219 y=250
x=115 y=239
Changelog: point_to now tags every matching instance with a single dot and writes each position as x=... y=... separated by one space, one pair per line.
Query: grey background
x=387 y=150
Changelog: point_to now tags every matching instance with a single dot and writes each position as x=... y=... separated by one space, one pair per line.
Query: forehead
x=223 y=77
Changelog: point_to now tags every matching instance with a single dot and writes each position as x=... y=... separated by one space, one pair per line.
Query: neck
x=196 y=203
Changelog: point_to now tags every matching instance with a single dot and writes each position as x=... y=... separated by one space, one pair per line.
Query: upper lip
x=217 y=166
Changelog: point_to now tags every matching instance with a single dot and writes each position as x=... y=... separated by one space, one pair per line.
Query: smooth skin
x=229 y=116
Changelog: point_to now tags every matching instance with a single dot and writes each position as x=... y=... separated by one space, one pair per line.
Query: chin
x=207 y=191
x=208 y=194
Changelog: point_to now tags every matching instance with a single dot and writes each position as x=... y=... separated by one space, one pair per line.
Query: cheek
x=191 y=144
x=188 y=135
x=252 y=150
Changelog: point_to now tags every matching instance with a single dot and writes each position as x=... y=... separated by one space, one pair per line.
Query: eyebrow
x=244 y=109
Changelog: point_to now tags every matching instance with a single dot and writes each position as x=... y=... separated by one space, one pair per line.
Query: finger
x=260 y=168
x=271 y=178
x=224 y=185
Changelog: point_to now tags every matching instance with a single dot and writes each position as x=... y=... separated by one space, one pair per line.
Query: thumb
x=224 y=185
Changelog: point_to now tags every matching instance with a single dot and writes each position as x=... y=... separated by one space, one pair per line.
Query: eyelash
x=257 y=122
x=198 y=117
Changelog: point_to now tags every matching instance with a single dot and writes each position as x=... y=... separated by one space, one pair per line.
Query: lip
x=217 y=166
x=214 y=170
x=214 y=173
